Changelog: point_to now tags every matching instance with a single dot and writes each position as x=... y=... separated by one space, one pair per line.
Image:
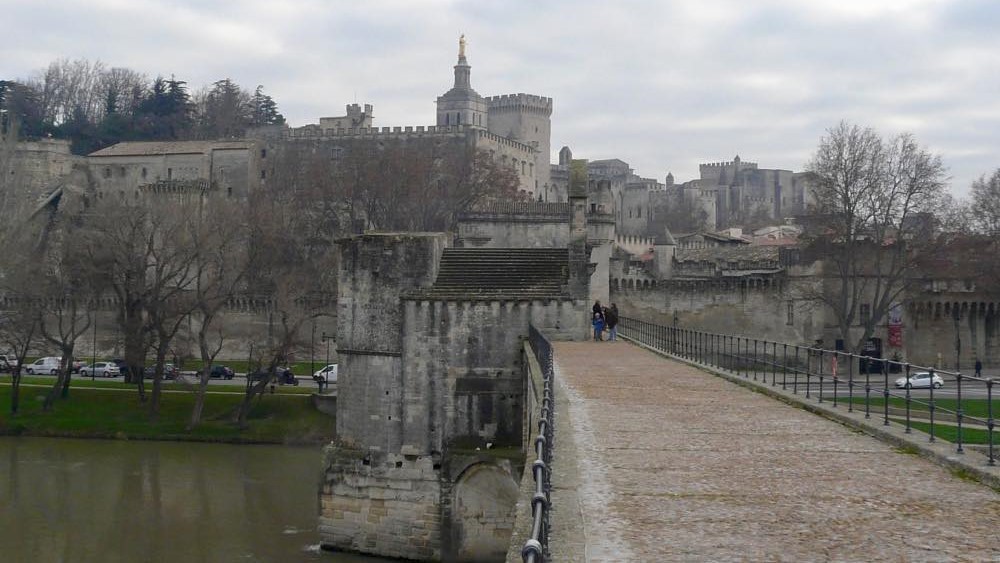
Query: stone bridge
x=659 y=460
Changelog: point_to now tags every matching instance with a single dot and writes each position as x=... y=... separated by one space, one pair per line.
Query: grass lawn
x=971 y=407
x=944 y=426
x=107 y=409
x=949 y=433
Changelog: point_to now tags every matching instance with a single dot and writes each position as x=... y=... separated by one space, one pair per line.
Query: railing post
x=834 y=369
x=774 y=364
x=821 y=375
x=809 y=353
x=959 y=413
x=868 y=388
x=885 y=389
x=850 y=384
x=989 y=418
x=907 y=387
x=795 y=383
x=784 y=367
x=930 y=406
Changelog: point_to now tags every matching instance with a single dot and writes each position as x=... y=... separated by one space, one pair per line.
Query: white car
x=920 y=379
x=328 y=374
x=48 y=364
x=103 y=369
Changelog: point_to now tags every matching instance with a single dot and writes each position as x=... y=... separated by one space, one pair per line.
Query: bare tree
x=295 y=272
x=220 y=267
x=985 y=205
x=412 y=185
x=19 y=321
x=873 y=197
x=143 y=250
x=65 y=291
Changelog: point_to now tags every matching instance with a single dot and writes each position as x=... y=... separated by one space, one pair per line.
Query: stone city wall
x=778 y=310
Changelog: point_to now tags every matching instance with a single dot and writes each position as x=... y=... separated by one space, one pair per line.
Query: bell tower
x=461 y=105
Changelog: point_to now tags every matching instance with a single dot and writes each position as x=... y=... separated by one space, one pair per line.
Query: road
x=237 y=383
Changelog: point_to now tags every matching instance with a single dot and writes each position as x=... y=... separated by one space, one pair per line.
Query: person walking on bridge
x=611 y=320
x=598 y=326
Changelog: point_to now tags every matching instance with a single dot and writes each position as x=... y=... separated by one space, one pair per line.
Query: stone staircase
x=507 y=273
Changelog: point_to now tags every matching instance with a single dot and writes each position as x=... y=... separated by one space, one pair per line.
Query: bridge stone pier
x=657 y=460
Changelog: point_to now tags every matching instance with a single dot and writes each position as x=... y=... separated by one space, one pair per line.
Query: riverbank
x=108 y=411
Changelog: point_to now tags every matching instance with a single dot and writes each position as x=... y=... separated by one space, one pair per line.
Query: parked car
x=122 y=366
x=169 y=371
x=8 y=362
x=221 y=371
x=282 y=376
x=103 y=369
x=48 y=364
x=327 y=374
x=920 y=379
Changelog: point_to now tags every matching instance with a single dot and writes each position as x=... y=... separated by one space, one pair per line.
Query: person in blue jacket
x=598 y=326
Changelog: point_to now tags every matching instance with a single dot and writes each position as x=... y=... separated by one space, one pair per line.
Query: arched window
x=447 y=119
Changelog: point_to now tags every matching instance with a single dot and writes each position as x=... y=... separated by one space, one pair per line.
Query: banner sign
x=896 y=325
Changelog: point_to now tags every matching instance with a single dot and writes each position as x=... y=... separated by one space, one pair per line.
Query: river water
x=77 y=501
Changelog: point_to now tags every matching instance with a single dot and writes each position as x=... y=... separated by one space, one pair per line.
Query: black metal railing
x=823 y=374
x=536 y=548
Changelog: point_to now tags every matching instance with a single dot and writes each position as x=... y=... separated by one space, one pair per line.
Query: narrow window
x=263 y=174
x=791 y=313
x=170 y=173
x=263 y=153
x=143 y=172
x=107 y=172
x=458 y=119
x=447 y=119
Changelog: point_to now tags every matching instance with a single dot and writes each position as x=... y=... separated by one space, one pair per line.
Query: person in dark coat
x=979 y=367
x=611 y=321
x=597 y=309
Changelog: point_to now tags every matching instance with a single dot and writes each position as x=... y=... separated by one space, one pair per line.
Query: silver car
x=103 y=369
x=920 y=379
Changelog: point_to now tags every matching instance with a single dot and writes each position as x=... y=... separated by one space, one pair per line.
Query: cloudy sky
x=663 y=85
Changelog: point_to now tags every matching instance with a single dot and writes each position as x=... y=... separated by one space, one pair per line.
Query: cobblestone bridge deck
x=658 y=461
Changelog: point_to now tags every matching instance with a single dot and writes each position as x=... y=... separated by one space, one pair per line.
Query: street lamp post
x=327 y=338
x=958 y=342
x=312 y=349
x=93 y=352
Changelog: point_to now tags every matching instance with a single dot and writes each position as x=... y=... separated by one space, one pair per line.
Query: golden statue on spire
x=461 y=46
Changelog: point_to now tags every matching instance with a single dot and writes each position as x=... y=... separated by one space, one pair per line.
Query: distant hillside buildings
x=514 y=128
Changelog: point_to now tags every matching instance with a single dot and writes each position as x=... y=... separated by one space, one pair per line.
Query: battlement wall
x=713 y=165
x=634 y=244
x=520 y=102
x=505 y=142
x=315 y=132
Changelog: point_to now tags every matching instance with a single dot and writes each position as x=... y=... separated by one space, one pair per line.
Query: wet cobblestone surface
x=659 y=461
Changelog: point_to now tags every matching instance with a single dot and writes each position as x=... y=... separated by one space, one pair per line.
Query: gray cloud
x=662 y=85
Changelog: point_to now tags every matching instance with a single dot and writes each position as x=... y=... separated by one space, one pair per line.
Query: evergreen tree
x=265 y=110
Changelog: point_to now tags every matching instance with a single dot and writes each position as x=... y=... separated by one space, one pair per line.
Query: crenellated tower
x=526 y=118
